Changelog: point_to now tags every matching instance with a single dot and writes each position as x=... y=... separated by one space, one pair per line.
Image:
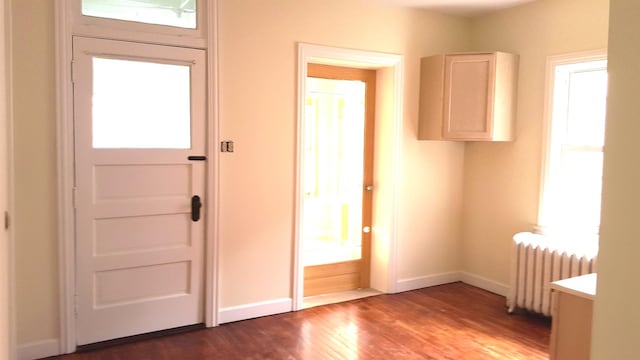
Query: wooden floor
x=454 y=321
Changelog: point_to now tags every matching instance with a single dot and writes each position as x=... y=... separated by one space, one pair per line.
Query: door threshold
x=135 y=338
x=333 y=298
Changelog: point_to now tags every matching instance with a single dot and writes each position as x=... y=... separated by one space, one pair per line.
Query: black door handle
x=196 y=204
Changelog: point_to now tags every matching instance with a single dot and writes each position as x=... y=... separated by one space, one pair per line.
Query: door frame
x=7 y=264
x=386 y=187
x=64 y=32
x=363 y=263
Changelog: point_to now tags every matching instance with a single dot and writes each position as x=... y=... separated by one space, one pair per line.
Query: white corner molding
x=38 y=350
x=485 y=284
x=451 y=277
x=254 y=310
x=427 y=281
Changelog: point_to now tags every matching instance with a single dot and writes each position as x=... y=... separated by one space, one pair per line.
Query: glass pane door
x=333 y=178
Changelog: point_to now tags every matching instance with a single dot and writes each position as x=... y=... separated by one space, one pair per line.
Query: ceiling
x=459 y=7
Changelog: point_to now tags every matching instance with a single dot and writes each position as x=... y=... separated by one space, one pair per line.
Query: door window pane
x=333 y=178
x=140 y=104
x=179 y=13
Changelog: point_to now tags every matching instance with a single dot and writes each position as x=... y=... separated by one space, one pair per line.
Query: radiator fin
x=537 y=261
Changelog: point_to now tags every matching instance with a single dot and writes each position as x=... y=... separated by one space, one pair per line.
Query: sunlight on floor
x=333 y=298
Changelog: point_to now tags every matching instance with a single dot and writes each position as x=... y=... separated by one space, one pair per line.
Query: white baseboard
x=484 y=283
x=427 y=281
x=254 y=310
x=446 y=278
x=40 y=349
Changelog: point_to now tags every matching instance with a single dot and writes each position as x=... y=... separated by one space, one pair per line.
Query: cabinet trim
x=496 y=122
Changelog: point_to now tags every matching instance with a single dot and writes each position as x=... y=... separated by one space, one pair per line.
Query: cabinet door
x=468 y=96
x=571 y=327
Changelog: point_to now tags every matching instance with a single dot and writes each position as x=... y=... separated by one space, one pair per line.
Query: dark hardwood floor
x=454 y=321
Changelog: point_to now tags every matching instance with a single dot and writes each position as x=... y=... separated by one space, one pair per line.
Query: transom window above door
x=167 y=22
x=178 y=13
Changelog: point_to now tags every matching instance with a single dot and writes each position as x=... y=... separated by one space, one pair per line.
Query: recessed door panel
x=111 y=292
x=141 y=233
x=133 y=181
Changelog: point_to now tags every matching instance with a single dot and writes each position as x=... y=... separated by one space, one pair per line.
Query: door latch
x=196 y=204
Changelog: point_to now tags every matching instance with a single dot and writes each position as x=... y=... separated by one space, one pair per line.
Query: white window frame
x=92 y=26
x=544 y=226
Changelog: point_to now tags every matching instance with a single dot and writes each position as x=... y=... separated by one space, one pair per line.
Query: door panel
x=139 y=255
x=339 y=128
x=468 y=95
x=137 y=233
x=334 y=277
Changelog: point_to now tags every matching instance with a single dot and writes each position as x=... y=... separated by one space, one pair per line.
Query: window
x=141 y=104
x=572 y=176
x=181 y=23
x=179 y=13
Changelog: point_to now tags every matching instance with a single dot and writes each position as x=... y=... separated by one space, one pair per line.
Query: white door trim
x=7 y=70
x=211 y=256
x=65 y=176
x=65 y=161
x=308 y=53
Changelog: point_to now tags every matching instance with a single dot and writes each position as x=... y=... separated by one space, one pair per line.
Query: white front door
x=139 y=114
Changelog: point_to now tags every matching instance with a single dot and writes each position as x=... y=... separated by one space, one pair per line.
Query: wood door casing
x=349 y=275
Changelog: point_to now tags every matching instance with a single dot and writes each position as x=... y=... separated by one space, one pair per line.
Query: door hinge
x=73 y=71
x=75 y=305
x=6 y=220
x=74 y=197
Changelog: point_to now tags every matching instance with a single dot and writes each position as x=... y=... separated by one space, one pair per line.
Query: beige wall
x=501 y=180
x=616 y=329
x=258 y=111
x=4 y=238
x=35 y=176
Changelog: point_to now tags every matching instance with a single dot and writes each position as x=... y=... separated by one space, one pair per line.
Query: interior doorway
x=387 y=159
x=338 y=178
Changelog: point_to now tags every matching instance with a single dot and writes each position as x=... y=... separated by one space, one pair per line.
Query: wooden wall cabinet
x=468 y=97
